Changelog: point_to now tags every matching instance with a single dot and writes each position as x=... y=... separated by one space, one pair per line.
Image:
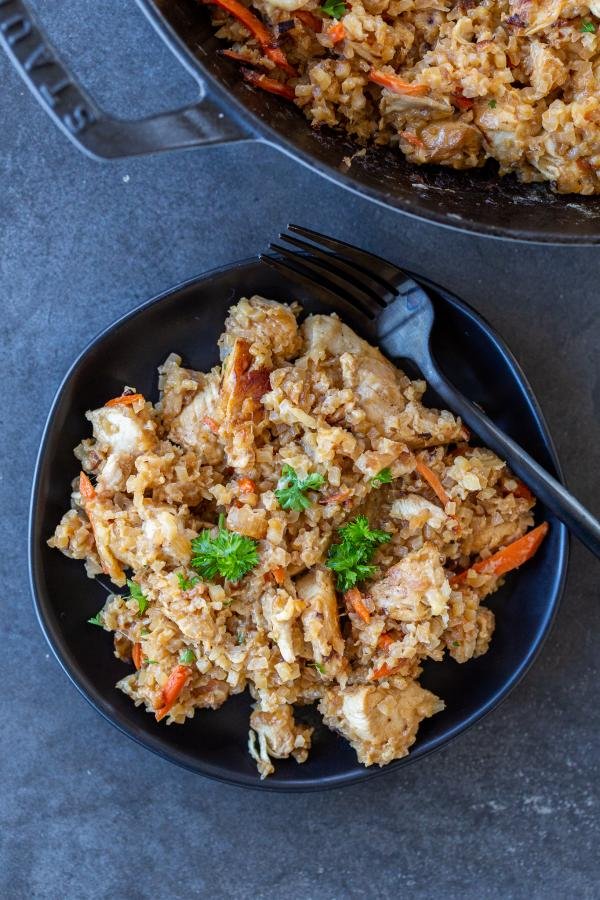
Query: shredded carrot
x=462 y=102
x=509 y=558
x=354 y=597
x=278 y=573
x=247 y=486
x=385 y=639
x=433 y=481
x=136 y=655
x=86 y=488
x=384 y=670
x=337 y=33
x=273 y=87
x=258 y=31
x=210 y=424
x=125 y=400
x=412 y=138
x=523 y=491
x=397 y=85
x=309 y=19
x=172 y=689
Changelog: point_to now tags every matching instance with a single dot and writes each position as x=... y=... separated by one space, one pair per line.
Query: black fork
x=397 y=314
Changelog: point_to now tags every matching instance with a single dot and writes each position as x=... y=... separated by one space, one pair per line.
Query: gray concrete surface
x=508 y=811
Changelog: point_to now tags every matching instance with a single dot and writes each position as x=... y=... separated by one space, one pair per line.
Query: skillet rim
x=91 y=694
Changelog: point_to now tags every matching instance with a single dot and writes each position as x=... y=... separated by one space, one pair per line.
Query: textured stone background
x=509 y=810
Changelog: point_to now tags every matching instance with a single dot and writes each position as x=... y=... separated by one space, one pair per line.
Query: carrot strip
x=86 y=488
x=385 y=639
x=210 y=424
x=278 y=573
x=509 y=558
x=337 y=33
x=462 y=102
x=309 y=19
x=397 y=85
x=125 y=400
x=384 y=670
x=257 y=30
x=412 y=138
x=136 y=655
x=247 y=486
x=270 y=85
x=171 y=691
x=433 y=481
x=238 y=57
x=523 y=491
x=354 y=597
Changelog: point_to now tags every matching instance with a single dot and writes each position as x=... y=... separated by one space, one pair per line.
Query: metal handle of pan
x=85 y=124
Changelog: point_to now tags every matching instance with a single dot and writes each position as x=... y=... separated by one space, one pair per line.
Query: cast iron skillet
x=188 y=320
x=229 y=110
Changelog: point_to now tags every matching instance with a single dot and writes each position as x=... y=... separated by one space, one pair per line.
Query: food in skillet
x=450 y=82
x=297 y=522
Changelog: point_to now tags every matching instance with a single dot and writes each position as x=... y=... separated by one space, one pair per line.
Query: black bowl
x=188 y=320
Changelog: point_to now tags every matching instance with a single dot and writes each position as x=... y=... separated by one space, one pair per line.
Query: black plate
x=188 y=320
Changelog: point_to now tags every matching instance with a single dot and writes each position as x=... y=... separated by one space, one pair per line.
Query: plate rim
x=87 y=689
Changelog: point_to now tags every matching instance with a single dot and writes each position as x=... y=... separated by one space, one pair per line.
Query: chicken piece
x=415 y=588
x=101 y=514
x=121 y=434
x=163 y=535
x=248 y=521
x=380 y=722
x=194 y=427
x=268 y=328
x=418 y=511
x=320 y=618
x=278 y=736
x=281 y=611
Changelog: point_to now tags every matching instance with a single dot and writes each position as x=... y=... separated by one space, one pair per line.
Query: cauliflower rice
x=319 y=399
x=449 y=82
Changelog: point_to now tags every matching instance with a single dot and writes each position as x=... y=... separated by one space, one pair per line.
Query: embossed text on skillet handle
x=79 y=117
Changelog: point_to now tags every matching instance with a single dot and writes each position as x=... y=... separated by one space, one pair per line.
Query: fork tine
x=305 y=269
x=359 y=279
x=389 y=274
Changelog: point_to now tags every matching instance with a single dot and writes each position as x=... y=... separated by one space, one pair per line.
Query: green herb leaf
x=455 y=643
x=351 y=558
x=150 y=662
x=588 y=28
x=96 y=620
x=240 y=638
x=187 y=657
x=492 y=104
x=186 y=584
x=383 y=477
x=137 y=595
x=229 y=554
x=319 y=666
x=334 y=8
x=291 y=490
x=145 y=632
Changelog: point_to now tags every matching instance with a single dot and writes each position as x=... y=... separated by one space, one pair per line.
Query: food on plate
x=451 y=82
x=296 y=522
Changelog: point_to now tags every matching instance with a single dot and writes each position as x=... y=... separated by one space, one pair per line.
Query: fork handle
x=546 y=488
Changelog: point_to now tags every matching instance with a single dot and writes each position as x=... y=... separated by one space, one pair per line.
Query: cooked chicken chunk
x=268 y=328
x=380 y=722
x=415 y=588
x=278 y=736
x=320 y=618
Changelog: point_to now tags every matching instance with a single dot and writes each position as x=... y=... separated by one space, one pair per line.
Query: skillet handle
x=85 y=124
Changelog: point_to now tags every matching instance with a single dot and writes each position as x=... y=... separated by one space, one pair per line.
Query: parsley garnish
x=319 y=666
x=145 y=632
x=383 y=477
x=229 y=554
x=588 y=28
x=492 y=104
x=351 y=558
x=96 y=620
x=187 y=657
x=150 y=662
x=137 y=595
x=455 y=643
x=291 y=490
x=186 y=584
x=334 y=8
